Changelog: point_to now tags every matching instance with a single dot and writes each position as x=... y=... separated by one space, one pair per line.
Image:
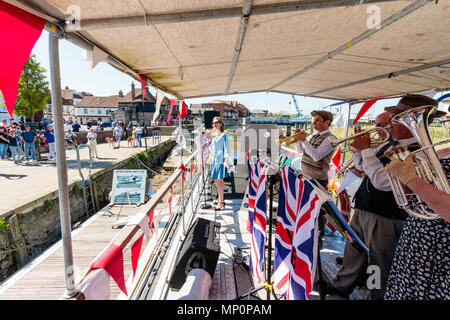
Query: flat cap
x=326 y=115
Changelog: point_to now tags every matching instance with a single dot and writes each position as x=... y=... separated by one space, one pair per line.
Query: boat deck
x=43 y=278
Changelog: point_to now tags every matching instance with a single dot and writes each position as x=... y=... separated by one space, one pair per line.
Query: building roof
x=69 y=94
x=99 y=102
x=138 y=96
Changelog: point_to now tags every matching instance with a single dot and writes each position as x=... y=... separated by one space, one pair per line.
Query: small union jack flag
x=257 y=217
x=296 y=236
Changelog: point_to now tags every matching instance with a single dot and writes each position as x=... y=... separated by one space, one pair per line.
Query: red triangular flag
x=183 y=111
x=337 y=158
x=150 y=220
x=366 y=106
x=135 y=251
x=112 y=261
x=172 y=102
x=143 y=85
x=19 y=31
x=182 y=167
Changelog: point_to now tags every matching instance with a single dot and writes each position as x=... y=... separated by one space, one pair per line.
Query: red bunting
x=135 y=251
x=150 y=220
x=182 y=167
x=143 y=85
x=112 y=261
x=183 y=111
x=172 y=102
x=337 y=158
x=19 y=31
x=366 y=106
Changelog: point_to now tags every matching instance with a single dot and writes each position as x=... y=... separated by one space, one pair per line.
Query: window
x=99 y=111
x=85 y=110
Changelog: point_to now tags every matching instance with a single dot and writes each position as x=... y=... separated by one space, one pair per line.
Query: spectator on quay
x=67 y=126
x=29 y=139
x=139 y=134
x=133 y=134
x=130 y=125
x=50 y=137
x=14 y=146
x=21 y=125
x=92 y=142
x=21 y=142
x=4 y=124
x=118 y=132
x=100 y=126
x=69 y=136
x=76 y=126
x=4 y=142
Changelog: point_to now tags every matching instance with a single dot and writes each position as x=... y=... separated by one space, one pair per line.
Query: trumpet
x=291 y=138
x=376 y=137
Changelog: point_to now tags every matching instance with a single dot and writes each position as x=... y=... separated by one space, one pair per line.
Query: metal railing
x=192 y=181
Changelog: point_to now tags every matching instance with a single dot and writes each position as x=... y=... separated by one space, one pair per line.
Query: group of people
x=18 y=140
x=120 y=131
x=411 y=254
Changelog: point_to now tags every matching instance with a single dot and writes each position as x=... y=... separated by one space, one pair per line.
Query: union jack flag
x=296 y=236
x=257 y=218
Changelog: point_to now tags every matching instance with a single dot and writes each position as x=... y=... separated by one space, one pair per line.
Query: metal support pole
x=182 y=184
x=205 y=205
x=61 y=165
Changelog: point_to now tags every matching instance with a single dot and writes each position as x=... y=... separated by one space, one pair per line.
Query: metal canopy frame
x=79 y=37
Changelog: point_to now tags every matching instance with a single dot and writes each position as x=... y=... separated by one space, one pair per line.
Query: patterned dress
x=421 y=266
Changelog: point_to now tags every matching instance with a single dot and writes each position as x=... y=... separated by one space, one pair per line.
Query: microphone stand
x=268 y=286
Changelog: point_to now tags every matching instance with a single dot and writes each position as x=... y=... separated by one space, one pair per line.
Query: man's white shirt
x=367 y=161
x=316 y=153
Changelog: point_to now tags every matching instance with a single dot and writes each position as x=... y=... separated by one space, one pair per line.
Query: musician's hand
x=361 y=142
x=301 y=137
x=357 y=172
x=405 y=171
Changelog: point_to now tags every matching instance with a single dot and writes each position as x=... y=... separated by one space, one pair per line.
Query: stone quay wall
x=27 y=231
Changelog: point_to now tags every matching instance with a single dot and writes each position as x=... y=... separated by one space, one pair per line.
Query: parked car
x=106 y=124
x=92 y=123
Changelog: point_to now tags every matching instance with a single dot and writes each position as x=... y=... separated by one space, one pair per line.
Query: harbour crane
x=299 y=113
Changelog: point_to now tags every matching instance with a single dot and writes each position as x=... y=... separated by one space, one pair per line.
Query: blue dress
x=219 y=149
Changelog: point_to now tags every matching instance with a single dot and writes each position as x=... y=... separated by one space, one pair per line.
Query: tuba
x=428 y=167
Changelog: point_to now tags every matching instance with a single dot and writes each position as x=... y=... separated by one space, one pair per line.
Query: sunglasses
x=214 y=122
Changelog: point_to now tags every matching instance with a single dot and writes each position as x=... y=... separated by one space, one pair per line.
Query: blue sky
x=104 y=80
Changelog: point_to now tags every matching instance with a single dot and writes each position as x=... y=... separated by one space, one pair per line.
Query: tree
x=33 y=91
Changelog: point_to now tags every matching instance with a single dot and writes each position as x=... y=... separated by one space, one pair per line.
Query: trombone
x=291 y=138
x=378 y=135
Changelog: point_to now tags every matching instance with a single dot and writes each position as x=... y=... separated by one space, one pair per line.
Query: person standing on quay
x=14 y=146
x=92 y=142
x=50 y=137
x=29 y=137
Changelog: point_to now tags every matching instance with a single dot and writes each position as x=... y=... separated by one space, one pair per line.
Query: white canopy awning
x=324 y=48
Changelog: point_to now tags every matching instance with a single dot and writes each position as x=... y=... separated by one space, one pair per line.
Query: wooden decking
x=43 y=278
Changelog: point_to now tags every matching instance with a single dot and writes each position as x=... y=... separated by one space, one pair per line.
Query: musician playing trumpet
x=318 y=150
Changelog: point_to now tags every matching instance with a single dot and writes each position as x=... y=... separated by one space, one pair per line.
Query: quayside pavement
x=28 y=181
